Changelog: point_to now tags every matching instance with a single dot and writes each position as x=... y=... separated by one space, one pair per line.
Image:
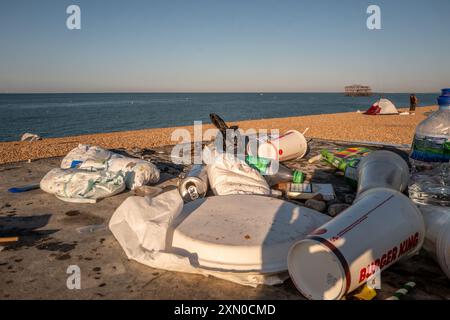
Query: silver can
x=194 y=185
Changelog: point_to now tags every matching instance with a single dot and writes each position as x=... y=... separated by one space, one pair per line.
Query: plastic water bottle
x=430 y=157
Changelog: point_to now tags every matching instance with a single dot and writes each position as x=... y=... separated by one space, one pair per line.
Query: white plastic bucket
x=382 y=227
x=437 y=238
x=289 y=146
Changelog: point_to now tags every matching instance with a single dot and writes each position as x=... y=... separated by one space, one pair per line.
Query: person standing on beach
x=413 y=101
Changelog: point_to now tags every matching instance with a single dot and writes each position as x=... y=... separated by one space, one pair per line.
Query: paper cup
x=289 y=146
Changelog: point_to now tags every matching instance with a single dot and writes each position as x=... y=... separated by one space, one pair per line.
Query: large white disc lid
x=242 y=232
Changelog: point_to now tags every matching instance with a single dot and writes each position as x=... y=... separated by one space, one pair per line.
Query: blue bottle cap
x=444 y=99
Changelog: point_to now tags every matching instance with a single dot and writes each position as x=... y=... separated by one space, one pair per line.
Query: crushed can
x=194 y=184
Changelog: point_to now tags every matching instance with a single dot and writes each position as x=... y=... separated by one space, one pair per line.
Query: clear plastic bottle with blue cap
x=430 y=157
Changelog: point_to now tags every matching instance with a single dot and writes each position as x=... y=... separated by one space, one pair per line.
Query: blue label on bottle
x=431 y=149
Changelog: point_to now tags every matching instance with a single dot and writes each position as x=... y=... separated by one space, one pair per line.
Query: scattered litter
x=228 y=174
x=8 y=239
x=24 y=188
x=308 y=190
x=162 y=233
x=194 y=185
x=345 y=157
x=431 y=186
x=337 y=245
x=30 y=137
x=269 y=226
x=289 y=146
x=366 y=293
x=74 y=185
x=382 y=169
x=224 y=131
x=403 y=291
x=315 y=159
x=275 y=173
x=91 y=228
x=437 y=238
x=93 y=158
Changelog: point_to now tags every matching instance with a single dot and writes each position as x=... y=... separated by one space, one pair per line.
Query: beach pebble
x=349 y=198
x=332 y=201
x=337 y=208
x=318 y=197
x=316 y=205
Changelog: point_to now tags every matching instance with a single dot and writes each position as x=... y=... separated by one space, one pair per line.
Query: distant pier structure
x=358 y=90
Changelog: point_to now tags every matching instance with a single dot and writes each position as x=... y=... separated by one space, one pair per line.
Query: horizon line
x=216 y=92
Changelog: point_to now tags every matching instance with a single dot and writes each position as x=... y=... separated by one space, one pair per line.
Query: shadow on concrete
x=26 y=228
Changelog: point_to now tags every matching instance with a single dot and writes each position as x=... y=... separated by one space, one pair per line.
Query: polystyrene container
x=382 y=227
x=244 y=233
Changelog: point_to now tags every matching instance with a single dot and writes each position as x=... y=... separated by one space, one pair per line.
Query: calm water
x=56 y=115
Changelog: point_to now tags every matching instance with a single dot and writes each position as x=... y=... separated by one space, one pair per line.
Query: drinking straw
x=402 y=291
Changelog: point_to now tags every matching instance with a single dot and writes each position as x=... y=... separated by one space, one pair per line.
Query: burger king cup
x=289 y=146
x=437 y=238
x=382 y=169
x=382 y=227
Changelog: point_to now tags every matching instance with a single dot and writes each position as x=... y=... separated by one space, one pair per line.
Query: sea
x=68 y=114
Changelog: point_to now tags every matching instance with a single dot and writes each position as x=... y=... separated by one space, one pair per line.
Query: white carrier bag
x=137 y=172
x=74 y=185
x=228 y=175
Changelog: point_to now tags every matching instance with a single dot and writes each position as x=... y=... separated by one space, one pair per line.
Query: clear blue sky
x=223 y=45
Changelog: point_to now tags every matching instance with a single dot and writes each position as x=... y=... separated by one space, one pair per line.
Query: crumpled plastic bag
x=74 y=185
x=148 y=218
x=31 y=137
x=230 y=175
x=143 y=227
x=137 y=172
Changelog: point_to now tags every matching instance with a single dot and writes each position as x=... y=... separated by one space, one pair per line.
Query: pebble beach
x=351 y=126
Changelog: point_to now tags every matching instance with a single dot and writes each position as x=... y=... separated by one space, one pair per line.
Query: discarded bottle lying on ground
x=283 y=174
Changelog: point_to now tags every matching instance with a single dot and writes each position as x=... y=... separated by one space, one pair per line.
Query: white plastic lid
x=316 y=271
x=242 y=232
